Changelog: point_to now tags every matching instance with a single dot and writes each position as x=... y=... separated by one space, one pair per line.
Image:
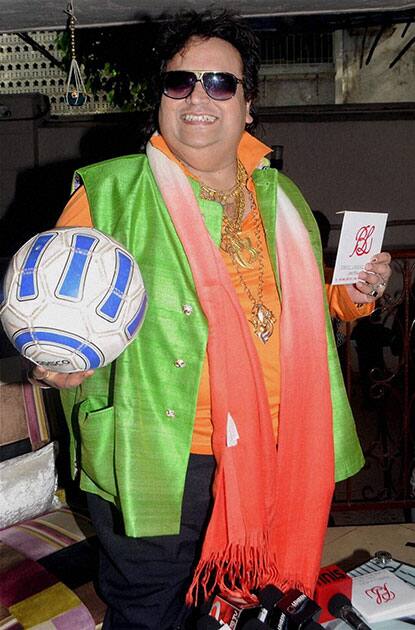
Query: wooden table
x=352 y=545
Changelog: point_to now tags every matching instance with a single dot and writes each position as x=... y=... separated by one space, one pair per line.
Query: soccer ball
x=73 y=299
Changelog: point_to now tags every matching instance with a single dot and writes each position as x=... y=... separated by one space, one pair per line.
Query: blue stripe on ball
x=134 y=324
x=28 y=286
x=72 y=285
x=113 y=301
x=26 y=338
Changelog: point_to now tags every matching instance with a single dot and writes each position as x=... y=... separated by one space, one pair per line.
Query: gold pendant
x=263 y=321
x=240 y=249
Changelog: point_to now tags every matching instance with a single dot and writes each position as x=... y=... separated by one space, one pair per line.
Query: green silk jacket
x=131 y=423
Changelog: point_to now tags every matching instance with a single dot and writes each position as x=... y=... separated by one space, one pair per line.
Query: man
x=235 y=358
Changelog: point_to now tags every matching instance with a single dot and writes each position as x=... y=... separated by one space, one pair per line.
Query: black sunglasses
x=220 y=86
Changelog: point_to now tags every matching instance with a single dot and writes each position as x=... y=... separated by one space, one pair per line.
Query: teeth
x=199 y=118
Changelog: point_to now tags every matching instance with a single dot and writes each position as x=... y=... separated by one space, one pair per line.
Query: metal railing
x=296 y=48
x=378 y=359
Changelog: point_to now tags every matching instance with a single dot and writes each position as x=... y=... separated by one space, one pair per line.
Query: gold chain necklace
x=262 y=318
x=243 y=255
x=232 y=242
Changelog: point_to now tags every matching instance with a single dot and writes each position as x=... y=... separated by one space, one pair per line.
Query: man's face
x=198 y=123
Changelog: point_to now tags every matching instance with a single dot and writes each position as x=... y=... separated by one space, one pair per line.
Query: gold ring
x=41 y=378
x=39 y=382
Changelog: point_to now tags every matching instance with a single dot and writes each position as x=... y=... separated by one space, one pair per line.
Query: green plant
x=118 y=61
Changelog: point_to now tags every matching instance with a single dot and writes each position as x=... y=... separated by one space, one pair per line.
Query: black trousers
x=144 y=580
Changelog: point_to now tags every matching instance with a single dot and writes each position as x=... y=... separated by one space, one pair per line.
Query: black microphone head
x=255 y=624
x=207 y=622
x=341 y=607
x=269 y=596
x=205 y=606
x=336 y=603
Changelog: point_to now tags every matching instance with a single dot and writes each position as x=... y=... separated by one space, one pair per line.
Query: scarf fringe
x=238 y=572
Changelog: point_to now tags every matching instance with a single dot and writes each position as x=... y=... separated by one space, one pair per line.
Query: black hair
x=225 y=25
x=324 y=227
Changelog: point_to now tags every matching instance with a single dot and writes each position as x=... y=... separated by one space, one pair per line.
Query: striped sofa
x=48 y=560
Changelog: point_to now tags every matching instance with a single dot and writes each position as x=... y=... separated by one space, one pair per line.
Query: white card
x=361 y=237
x=381 y=595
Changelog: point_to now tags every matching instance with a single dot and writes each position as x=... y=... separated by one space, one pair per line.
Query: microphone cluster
x=292 y=610
x=276 y=611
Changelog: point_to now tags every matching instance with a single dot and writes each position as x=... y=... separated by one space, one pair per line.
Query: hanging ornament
x=75 y=89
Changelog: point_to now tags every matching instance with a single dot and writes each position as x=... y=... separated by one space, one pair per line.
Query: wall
x=365 y=165
x=375 y=82
x=37 y=160
x=349 y=164
x=305 y=84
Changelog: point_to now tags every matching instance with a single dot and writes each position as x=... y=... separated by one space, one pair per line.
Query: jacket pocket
x=97 y=433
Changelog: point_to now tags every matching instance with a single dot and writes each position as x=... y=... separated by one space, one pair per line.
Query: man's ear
x=248 y=117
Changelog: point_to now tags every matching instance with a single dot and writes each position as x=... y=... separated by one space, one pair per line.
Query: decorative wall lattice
x=296 y=48
x=25 y=70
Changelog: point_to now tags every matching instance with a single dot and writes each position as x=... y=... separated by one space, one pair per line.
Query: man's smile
x=199 y=118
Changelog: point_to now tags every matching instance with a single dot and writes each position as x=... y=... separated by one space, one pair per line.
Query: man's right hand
x=60 y=380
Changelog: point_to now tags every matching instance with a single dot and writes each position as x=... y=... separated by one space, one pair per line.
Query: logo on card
x=381 y=594
x=362 y=244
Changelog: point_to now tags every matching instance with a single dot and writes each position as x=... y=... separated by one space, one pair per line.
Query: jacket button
x=187 y=309
x=180 y=363
x=170 y=413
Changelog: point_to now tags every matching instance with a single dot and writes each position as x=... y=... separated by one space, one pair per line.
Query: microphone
x=207 y=622
x=268 y=597
x=341 y=607
x=298 y=610
x=255 y=624
x=331 y=581
x=230 y=613
x=280 y=621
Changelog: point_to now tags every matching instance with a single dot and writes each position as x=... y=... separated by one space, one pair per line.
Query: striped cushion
x=27 y=486
x=24 y=424
x=47 y=566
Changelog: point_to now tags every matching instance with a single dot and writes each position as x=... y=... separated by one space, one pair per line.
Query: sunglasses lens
x=220 y=86
x=178 y=83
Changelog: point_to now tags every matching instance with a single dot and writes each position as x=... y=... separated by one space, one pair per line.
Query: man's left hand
x=372 y=280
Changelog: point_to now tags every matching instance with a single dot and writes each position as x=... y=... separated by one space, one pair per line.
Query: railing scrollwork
x=379 y=364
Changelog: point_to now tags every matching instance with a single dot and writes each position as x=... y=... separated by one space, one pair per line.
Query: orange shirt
x=268 y=353
x=77 y=213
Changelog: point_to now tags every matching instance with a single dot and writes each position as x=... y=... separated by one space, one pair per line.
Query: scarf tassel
x=239 y=571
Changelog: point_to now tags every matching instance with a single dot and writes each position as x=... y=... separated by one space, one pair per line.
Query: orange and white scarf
x=271 y=505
